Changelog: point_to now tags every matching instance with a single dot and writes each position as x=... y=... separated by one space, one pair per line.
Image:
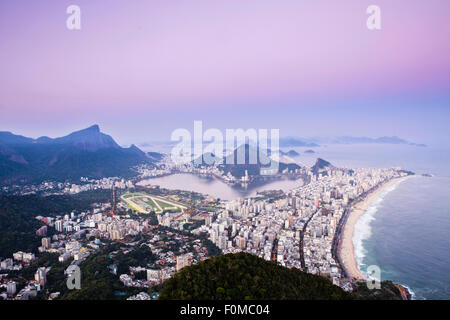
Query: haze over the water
x=141 y=69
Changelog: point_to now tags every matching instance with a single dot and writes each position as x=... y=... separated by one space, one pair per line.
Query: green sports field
x=145 y=203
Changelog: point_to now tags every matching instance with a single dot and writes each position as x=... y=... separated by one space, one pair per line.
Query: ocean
x=406 y=231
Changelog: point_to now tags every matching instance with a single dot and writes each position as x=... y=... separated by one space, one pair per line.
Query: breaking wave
x=363 y=229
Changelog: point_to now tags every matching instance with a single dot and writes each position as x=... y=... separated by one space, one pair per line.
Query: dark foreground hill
x=245 y=276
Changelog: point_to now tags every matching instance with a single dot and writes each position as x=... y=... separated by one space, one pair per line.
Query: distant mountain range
x=316 y=142
x=292 y=142
x=380 y=140
x=290 y=153
x=85 y=153
x=237 y=167
x=296 y=142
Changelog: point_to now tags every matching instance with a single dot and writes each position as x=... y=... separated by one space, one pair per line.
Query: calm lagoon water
x=217 y=188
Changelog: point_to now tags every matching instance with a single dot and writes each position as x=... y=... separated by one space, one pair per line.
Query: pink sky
x=165 y=56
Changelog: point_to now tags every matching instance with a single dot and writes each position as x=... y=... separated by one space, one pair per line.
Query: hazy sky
x=142 y=68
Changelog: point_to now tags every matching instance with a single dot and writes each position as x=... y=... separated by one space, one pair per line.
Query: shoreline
x=251 y=188
x=347 y=251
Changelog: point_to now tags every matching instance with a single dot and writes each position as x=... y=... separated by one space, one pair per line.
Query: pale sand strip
x=347 y=252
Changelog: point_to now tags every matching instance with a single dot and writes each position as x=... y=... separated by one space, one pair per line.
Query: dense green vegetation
x=245 y=276
x=153 y=219
x=97 y=282
x=231 y=276
x=17 y=230
x=17 y=216
x=139 y=256
x=213 y=250
x=44 y=260
x=388 y=291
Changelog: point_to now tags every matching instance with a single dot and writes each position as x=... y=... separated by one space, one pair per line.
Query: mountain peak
x=320 y=165
x=90 y=139
x=93 y=128
x=83 y=153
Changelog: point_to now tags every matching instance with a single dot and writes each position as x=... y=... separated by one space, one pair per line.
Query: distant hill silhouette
x=321 y=165
x=290 y=153
x=85 y=153
x=315 y=142
x=156 y=156
x=380 y=140
x=296 y=142
x=247 y=157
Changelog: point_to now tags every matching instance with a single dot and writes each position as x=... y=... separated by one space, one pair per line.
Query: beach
x=347 y=252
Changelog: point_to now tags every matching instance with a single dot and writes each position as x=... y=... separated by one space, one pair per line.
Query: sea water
x=406 y=230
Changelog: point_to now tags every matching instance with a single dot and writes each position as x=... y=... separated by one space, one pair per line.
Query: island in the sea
x=290 y=153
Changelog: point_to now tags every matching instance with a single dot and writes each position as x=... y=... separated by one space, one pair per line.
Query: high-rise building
x=41 y=276
x=45 y=242
x=241 y=242
x=222 y=242
x=294 y=203
x=183 y=261
x=11 y=288
x=59 y=226
x=291 y=221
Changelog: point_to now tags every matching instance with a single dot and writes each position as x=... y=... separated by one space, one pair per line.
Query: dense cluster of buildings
x=55 y=188
x=173 y=251
x=18 y=262
x=298 y=228
x=144 y=296
x=75 y=236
